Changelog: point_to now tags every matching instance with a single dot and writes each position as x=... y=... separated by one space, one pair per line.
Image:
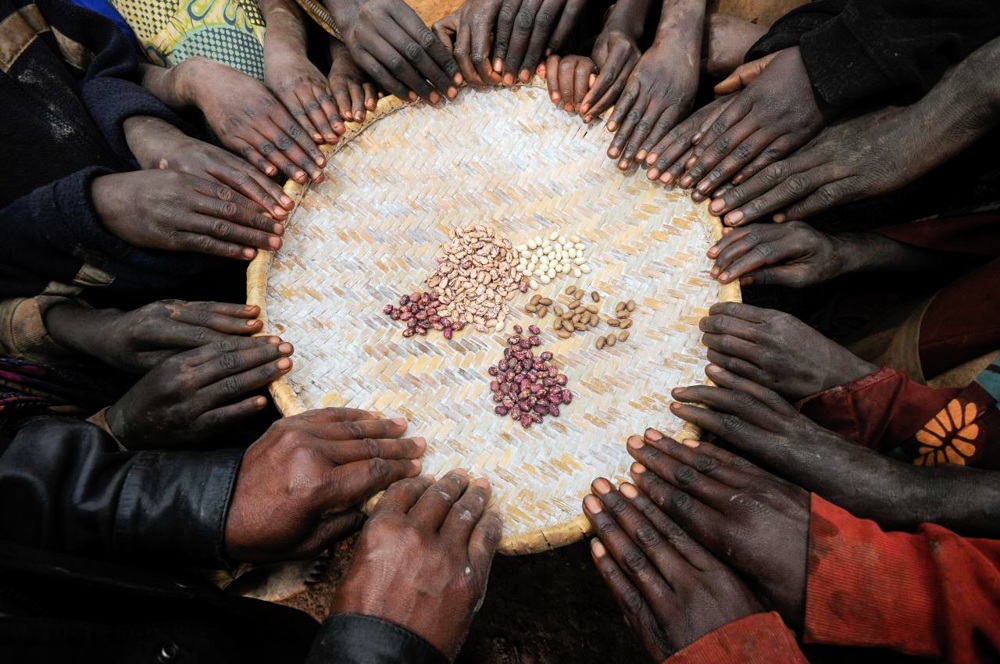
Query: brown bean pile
x=421 y=313
x=525 y=386
x=476 y=275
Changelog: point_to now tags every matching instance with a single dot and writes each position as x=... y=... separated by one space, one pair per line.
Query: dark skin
x=391 y=44
x=777 y=350
x=243 y=113
x=569 y=79
x=138 y=341
x=874 y=153
x=899 y=496
x=174 y=211
x=672 y=590
x=471 y=41
x=727 y=40
x=352 y=90
x=773 y=116
x=797 y=255
x=661 y=89
x=748 y=519
x=423 y=559
x=300 y=487
x=616 y=53
x=199 y=393
x=158 y=144
x=666 y=159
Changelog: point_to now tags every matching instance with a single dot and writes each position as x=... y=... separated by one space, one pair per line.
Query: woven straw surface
x=395 y=187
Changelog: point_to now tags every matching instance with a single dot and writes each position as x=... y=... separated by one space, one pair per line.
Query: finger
x=728 y=469
x=552 y=78
x=643 y=539
x=433 y=507
x=502 y=36
x=779 y=149
x=357 y=101
x=729 y=166
x=333 y=529
x=737 y=327
x=246 y=179
x=234 y=374
x=226 y=416
x=342 y=96
x=791 y=187
x=464 y=516
x=611 y=81
x=544 y=24
x=322 y=111
x=357 y=426
x=223 y=318
x=520 y=35
x=484 y=541
x=632 y=604
x=566 y=70
x=295 y=105
x=679 y=140
x=253 y=157
x=291 y=141
x=353 y=483
x=444 y=30
x=210 y=246
x=712 y=153
x=737 y=411
x=348 y=451
x=385 y=79
x=464 y=52
x=661 y=126
x=434 y=56
x=230 y=231
x=371 y=97
x=567 y=21
x=693 y=552
x=581 y=81
x=480 y=40
x=423 y=67
x=402 y=496
x=737 y=244
x=688 y=512
x=740 y=384
x=325 y=416
x=270 y=151
x=762 y=254
x=658 y=455
x=827 y=196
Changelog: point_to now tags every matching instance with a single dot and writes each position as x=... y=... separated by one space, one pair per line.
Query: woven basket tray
x=395 y=187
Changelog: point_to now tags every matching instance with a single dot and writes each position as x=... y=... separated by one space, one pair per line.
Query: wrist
x=681 y=17
x=68 y=324
x=187 y=79
x=629 y=18
x=344 y=13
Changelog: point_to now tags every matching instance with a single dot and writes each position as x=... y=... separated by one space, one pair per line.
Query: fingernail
x=482 y=482
x=714 y=271
x=279 y=211
x=285 y=200
x=653 y=435
x=274 y=242
x=399 y=421
x=452 y=93
x=508 y=79
x=690 y=442
x=592 y=505
x=778 y=218
x=260 y=402
x=285 y=348
x=270 y=170
x=412 y=96
x=640 y=155
x=635 y=442
x=612 y=126
x=686 y=182
x=651 y=158
x=421 y=443
x=724 y=276
x=675 y=406
x=614 y=152
x=555 y=97
x=568 y=107
x=461 y=472
x=418 y=465
x=278 y=229
x=498 y=65
x=274 y=340
x=434 y=97
x=713 y=369
x=321 y=160
x=667 y=178
x=584 y=108
x=602 y=486
x=284 y=363
x=652 y=174
x=737 y=179
x=458 y=79
x=717 y=206
x=628 y=490
x=249 y=253
x=623 y=164
x=697 y=197
x=637 y=468
x=597 y=548
x=696 y=138
x=253 y=323
x=525 y=75
x=734 y=217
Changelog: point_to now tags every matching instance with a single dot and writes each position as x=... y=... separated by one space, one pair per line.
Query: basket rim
x=288 y=403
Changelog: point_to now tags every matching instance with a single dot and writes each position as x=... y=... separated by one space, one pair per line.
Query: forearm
x=286 y=32
x=629 y=17
x=683 y=18
x=864 y=251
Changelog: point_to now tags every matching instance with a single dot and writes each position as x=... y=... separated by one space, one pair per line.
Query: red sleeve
x=761 y=638
x=931 y=593
x=878 y=411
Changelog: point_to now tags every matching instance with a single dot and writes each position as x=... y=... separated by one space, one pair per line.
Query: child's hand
x=569 y=79
x=353 y=91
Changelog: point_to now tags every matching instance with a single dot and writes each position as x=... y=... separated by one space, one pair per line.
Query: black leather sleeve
x=65 y=486
x=348 y=638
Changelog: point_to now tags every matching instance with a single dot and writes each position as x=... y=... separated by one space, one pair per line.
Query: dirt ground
x=549 y=608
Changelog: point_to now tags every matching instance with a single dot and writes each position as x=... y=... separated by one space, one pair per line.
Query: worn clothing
x=171 y=31
x=892 y=50
x=81 y=521
x=929 y=594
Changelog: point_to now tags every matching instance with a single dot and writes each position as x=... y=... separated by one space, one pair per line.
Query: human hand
x=568 y=79
x=747 y=518
x=198 y=393
x=743 y=75
x=468 y=34
x=659 y=93
x=793 y=254
x=301 y=485
x=179 y=212
x=423 y=559
x=526 y=31
x=615 y=53
x=303 y=90
x=666 y=159
x=388 y=40
x=249 y=120
x=159 y=145
x=140 y=340
x=670 y=588
x=727 y=40
x=776 y=114
x=352 y=90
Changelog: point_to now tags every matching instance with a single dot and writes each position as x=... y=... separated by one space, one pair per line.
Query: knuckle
x=764 y=249
x=371 y=447
x=775 y=172
x=381 y=471
x=731 y=424
x=635 y=560
x=632 y=601
x=227 y=362
x=681 y=502
x=686 y=476
x=646 y=536
x=705 y=464
x=427 y=39
x=221 y=229
x=796 y=184
x=413 y=51
x=544 y=20
x=395 y=63
x=233 y=385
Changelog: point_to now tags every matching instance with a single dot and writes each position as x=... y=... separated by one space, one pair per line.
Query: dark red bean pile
x=419 y=312
x=525 y=386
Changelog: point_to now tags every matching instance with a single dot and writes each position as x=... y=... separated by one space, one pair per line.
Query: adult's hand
x=468 y=34
x=670 y=588
x=249 y=120
x=666 y=159
x=139 y=340
x=776 y=114
x=301 y=486
x=793 y=254
x=526 y=30
x=165 y=209
x=423 y=558
x=159 y=145
x=615 y=53
x=198 y=393
x=747 y=518
x=658 y=94
x=389 y=41
x=352 y=89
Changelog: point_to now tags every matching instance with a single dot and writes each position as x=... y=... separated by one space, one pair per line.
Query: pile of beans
x=419 y=310
x=525 y=386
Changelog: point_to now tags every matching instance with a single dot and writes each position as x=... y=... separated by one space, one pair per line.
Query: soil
x=546 y=608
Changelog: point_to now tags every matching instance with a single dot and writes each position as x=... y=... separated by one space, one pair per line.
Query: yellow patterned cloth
x=170 y=31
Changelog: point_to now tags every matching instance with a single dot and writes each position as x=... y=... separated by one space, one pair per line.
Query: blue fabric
x=104 y=8
x=989 y=379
